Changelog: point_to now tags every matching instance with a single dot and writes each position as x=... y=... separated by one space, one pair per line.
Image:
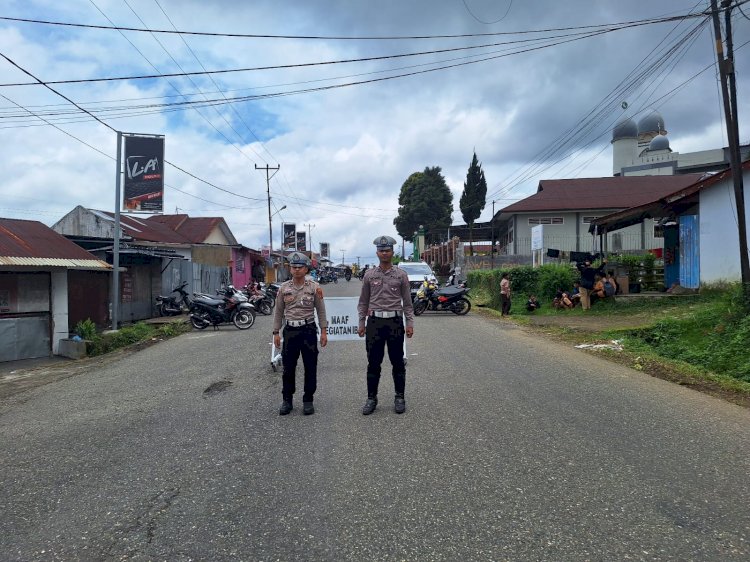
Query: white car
x=417 y=271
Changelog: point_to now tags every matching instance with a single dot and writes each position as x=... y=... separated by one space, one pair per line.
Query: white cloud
x=345 y=152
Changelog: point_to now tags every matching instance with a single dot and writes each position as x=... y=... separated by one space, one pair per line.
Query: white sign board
x=537 y=237
x=343 y=319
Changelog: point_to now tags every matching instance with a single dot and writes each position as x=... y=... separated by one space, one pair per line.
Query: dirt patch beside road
x=593 y=323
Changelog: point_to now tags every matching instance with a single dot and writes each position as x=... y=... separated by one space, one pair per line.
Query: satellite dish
x=624 y=105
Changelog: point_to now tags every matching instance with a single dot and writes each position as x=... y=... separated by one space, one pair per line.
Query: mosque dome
x=653 y=124
x=659 y=142
x=625 y=129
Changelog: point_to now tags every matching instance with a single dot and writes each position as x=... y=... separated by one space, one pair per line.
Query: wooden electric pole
x=729 y=97
x=268 y=193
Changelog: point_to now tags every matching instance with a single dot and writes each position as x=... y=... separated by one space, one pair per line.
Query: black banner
x=143 y=188
x=301 y=241
x=290 y=236
x=324 y=249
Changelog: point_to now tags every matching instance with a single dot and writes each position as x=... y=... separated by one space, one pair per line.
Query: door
x=689 y=252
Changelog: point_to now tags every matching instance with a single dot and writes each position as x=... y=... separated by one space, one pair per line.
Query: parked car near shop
x=417 y=272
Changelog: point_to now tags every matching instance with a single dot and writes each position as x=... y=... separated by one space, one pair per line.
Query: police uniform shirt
x=299 y=304
x=385 y=290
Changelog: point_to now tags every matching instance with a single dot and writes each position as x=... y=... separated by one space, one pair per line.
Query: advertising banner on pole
x=290 y=236
x=302 y=241
x=143 y=188
x=325 y=248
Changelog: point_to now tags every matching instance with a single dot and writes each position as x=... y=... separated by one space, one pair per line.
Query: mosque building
x=642 y=149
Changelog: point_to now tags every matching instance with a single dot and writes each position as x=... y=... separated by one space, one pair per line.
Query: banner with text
x=324 y=249
x=290 y=236
x=302 y=241
x=143 y=188
x=343 y=319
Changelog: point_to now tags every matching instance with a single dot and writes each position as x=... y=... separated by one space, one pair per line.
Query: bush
x=554 y=277
x=85 y=329
x=136 y=333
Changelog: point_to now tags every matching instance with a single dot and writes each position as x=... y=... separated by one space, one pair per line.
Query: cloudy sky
x=534 y=87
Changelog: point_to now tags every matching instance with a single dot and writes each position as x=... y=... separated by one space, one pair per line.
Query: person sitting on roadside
x=532 y=304
x=610 y=278
x=562 y=301
x=598 y=293
x=575 y=296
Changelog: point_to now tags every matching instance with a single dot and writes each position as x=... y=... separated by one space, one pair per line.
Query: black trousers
x=504 y=305
x=304 y=341
x=379 y=334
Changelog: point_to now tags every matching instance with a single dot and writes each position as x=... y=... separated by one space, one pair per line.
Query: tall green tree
x=426 y=200
x=473 y=198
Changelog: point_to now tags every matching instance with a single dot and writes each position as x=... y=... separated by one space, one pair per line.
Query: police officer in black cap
x=383 y=303
x=297 y=301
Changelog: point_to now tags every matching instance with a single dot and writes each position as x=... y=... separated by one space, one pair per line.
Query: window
x=239 y=265
x=658 y=231
x=545 y=220
x=616 y=241
x=588 y=220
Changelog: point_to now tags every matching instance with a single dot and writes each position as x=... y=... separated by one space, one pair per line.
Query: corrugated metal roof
x=150 y=231
x=54 y=262
x=32 y=240
x=195 y=229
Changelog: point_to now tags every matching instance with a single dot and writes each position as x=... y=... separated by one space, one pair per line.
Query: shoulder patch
x=319 y=292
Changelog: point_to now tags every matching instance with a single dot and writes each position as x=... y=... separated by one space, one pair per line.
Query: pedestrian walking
x=504 y=295
x=384 y=303
x=296 y=304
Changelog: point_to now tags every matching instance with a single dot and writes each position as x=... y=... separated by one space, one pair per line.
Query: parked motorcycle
x=262 y=302
x=173 y=306
x=232 y=307
x=328 y=277
x=448 y=299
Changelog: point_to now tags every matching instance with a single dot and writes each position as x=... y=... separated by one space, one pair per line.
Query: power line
x=578 y=35
x=114 y=130
x=646 y=21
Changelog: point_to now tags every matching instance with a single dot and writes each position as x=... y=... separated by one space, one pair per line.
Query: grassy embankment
x=140 y=333
x=701 y=340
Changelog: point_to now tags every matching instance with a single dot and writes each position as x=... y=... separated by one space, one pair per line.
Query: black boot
x=399 y=404
x=286 y=407
x=308 y=408
x=369 y=406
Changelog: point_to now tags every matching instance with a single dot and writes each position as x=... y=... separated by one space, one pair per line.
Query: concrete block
x=72 y=348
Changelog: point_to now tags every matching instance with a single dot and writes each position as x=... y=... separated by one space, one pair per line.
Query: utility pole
x=342 y=255
x=729 y=97
x=309 y=237
x=268 y=193
x=358 y=263
x=492 y=226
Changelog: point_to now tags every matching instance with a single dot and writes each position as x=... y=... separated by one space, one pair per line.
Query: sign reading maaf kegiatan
x=343 y=319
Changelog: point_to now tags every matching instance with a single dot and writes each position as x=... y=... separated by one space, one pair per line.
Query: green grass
x=137 y=333
x=709 y=333
x=714 y=335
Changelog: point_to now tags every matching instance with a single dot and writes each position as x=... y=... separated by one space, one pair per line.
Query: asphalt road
x=512 y=448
